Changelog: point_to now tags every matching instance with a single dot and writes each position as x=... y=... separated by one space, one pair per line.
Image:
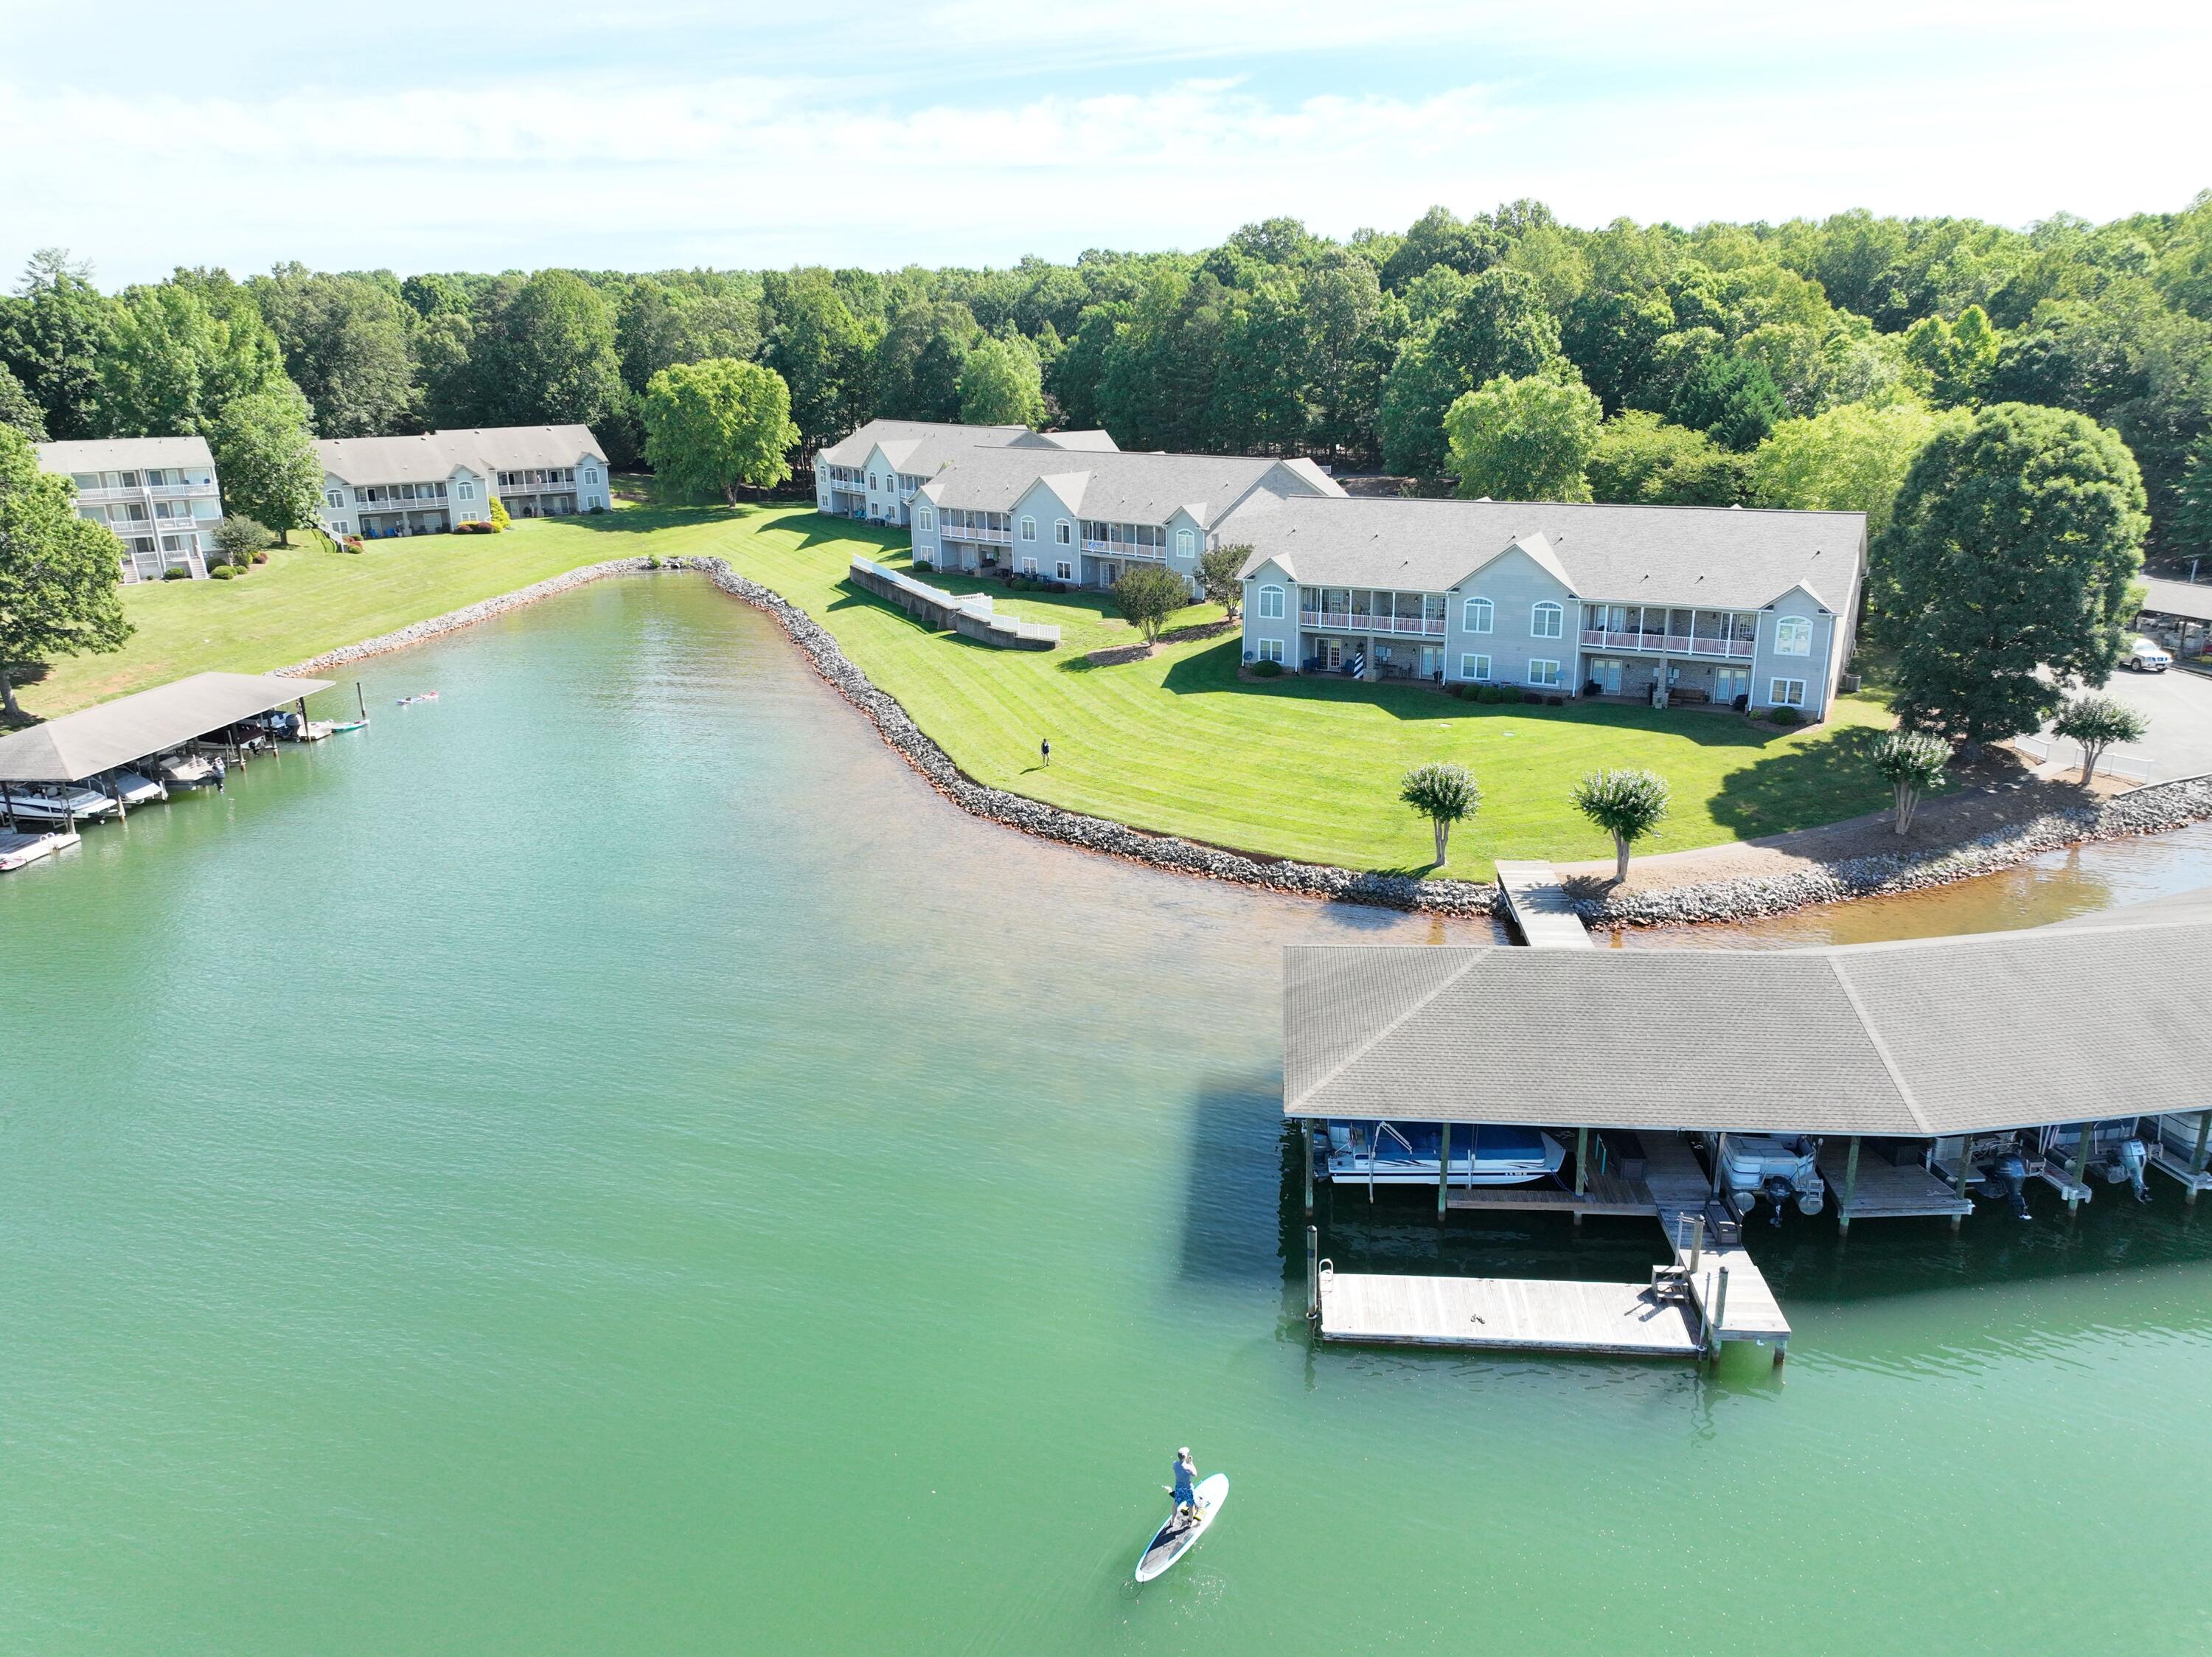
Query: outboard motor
x=1777 y=1189
x=2006 y=1180
x=2129 y=1160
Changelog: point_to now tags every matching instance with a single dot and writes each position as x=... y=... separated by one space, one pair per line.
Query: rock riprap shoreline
x=2145 y=811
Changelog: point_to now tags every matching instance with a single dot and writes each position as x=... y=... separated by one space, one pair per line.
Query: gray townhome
x=875 y=474
x=1086 y=517
x=1716 y=603
x=158 y=494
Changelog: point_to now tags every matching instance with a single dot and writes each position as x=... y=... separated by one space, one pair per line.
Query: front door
x=1605 y=670
x=1729 y=684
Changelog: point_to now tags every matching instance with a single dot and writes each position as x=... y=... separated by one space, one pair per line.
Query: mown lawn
x=1300 y=768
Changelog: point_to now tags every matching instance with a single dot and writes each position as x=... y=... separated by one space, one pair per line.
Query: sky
x=414 y=134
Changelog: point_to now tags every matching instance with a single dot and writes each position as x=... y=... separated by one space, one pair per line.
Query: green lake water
x=608 y=1161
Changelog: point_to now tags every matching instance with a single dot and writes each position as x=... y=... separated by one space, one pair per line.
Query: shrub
x=176 y=574
x=260 y=557
x=1508 y=694
x=652 y=563
x=221 y=572
x=238 y=539
x=1785 y=717
x=498 y=518
x=1266 y=670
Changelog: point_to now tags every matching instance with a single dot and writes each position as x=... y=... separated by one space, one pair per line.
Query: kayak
x=342 y=725
x=1176 y=1537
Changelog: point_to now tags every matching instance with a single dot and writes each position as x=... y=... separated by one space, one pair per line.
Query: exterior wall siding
x=1515 y=584
x=1282 y=631
x=1817 y=668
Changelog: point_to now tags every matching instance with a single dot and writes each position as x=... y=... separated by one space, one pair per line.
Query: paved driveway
x=2180 y=704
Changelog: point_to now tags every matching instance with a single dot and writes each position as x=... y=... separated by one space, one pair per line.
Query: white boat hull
x=54 y=808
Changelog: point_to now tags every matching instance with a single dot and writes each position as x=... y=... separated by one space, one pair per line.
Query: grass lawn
x=1302 y=768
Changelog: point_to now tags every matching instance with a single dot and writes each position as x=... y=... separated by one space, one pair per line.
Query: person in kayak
x=1186 y=1477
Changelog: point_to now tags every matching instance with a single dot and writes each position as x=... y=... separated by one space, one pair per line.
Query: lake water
x=608 y=1161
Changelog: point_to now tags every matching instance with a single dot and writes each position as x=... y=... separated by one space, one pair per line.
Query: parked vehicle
x=2145 y=657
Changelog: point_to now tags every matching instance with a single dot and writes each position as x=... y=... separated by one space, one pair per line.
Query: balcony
x=141 y=492
x=1353 y=621
x=1123 y=549
x=981 y=537
x=1672 y=644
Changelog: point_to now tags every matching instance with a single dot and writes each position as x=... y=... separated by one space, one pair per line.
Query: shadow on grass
x=1803 y=785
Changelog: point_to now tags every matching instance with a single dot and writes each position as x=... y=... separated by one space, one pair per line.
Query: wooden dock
x=1870 y=1187
x=1537 y=904
x=19 y=849
x=2180 y=1148
x=1732 y=1295
x=1504 y=1315
x=1606 y=1195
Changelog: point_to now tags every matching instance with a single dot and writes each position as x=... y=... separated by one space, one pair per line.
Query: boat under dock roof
x=81 y=745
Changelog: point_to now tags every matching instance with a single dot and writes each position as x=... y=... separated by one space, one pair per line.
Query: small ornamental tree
x=1913 y=762
x=2097 y=723
x=1444 y=795
x=1218 y=569
x=238 y=538
x=1627 y=804
x=498 y=518
x=1148 y=595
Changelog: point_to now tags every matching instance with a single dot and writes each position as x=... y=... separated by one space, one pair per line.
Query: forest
x=1804 y=363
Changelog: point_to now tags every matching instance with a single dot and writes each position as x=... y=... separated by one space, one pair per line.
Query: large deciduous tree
x=347 y=343
x=60 y=573
x=265 y=457
x=549 y=357
x=1524 y=440
x=52 y=337
x=1001 y=384
x=2012 y=549
x=715 y=426
x=1641 y=460
x=1851 y=458
x=823 y=352
x=175 y=362
x=17 y=410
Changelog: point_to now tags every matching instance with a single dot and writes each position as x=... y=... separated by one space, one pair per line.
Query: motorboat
x=1776 y=1167
x=1405 y=1154
x=184 y=770
x=57 y=802
x=134 y=788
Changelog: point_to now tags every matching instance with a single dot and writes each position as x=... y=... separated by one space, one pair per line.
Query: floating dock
x=17 y=849
x=1504 y=1315
x=1536 y=902
x=1869 y=1186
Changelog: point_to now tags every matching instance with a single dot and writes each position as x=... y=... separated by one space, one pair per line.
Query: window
x=1028 y=529
x=1063 y=571
x=1787 y=693
x=335 y=497
x=1271 y=649
x=926 y=519
x=1545 y=673
x=1792 y=636
x=1271 y=604
x=1473 y=667
x=1060 y=532
x=1544 y=621
x=1184 y=542
x=590 y=474
x=1029 y=566
x=85 y=480
x=871 y=480
x=1476 y=619
x=338 y=526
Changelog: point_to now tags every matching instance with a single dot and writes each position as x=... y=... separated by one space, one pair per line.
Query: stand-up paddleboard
x=1175 y=1537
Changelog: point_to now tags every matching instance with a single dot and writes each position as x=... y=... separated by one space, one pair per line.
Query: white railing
x=1425 y=626
x=1672 y=644
x=140 y=491
x=1122 y=550
x=997 y=537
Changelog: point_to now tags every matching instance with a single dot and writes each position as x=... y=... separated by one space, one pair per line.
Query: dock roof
x=1927 y=1037
x=1716 y=558
x=2179 y=598
x=81 y=745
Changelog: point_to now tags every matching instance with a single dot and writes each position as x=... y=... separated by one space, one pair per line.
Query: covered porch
x=1633 y=677
x=1370 y=657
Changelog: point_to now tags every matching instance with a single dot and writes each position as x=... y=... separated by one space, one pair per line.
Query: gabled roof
x=2179 y=598
x=1115 y=485
x=124 y=454
x=854 y=450
x=435 y=454
x=1912 y=1039
x=1721 y=557
x=1086 y=441
x=81 y=745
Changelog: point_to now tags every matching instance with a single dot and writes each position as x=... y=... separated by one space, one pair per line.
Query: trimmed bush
x=176 y=574
x=260 y=557
x=1785 y=717
x=1266 y=670
x=221 y=572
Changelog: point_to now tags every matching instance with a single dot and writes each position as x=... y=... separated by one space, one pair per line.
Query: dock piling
x=1850 y=1187
x=1444 y=1168
x=1313 y=1273
x=1305 y=1138
x=2196 y=1160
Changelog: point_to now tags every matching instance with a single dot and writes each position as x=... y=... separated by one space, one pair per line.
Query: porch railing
x=1419 y=626
x=1672 y=644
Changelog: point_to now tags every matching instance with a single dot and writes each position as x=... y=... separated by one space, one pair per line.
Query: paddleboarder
x=1186 y=1478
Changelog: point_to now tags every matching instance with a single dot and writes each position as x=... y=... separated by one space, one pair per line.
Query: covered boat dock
x=121 y=733
x=1657 y=1061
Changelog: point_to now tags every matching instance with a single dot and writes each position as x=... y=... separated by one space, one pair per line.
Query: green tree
x=549 y=357
x=823 y=352
x=1348 y=352
x=1912 y=762
x=1642 y=460
x=60 y=574
x=497 y=516
x=1500 y=326
x=2097 y=723
x=1956 y=360
x=2012 y=549
x=1002 y=385
x=266 y=459
x=1524 y=440
x=1628 y=804
x=2189 y=527
x=349 y=346
x=238 y=538
x=657 y=326
x=1732 y=399
x=1420 y=390
x=1217 y=575
x=17 y=410
x=52 y=337
x=1852 y=459
x=1148 y=595
x=717 y=425
x=173 y=362
x=920 y=359
x=1445 y=794
x=1437 y=237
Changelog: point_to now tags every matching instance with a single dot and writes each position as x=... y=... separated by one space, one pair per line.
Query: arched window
x=1060 y=532
x=1792 y=636
x=871 y=480
x=1271 y=604
x=1546 y=620
x=1476 y=619
x=1184 y=541
x=926 y=519
x=1028 y=529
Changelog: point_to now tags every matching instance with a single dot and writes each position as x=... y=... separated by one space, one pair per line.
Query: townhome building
x=158 y=494
x=1086 y=518
x=379 y=487
x=1726 y=606
x=875 y=474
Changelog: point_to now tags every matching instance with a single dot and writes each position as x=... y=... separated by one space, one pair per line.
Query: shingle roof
x=124 y=454
x=435 y=454
x=2179 y=597
x=1112 y=486
x=854 y=450
x=81 y=745
x=1932 y=1036
x=1720 y=556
